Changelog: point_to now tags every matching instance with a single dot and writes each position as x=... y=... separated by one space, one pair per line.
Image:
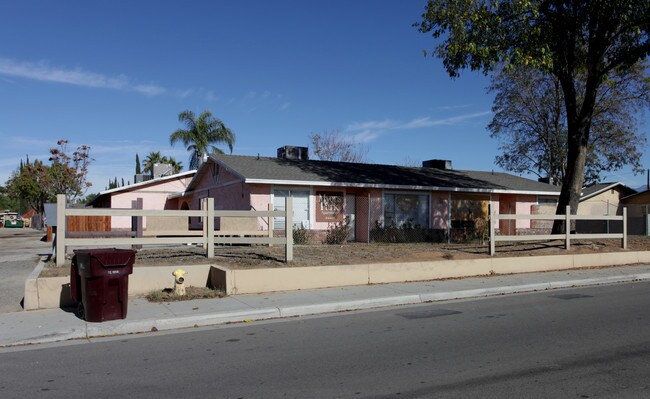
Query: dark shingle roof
x=269 y=170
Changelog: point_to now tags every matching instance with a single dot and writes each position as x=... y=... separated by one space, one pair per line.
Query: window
x=546 y=201
x=300 y=207
x=402 y=210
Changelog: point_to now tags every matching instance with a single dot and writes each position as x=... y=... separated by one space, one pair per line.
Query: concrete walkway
x=52 y=325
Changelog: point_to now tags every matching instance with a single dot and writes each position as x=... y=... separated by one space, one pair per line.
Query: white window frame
x=291 y=189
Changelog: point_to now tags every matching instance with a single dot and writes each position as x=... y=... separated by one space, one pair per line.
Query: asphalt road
x=583 y=343
x=19 y=255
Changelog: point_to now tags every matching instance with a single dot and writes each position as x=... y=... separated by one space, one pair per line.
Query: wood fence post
x=491 y=227
x=59 y=238
x=624 y=241
x=567 y=228
x=136 y=221
x=288 y=228
x=204 y=224
x=210 y=227
x=271 y=222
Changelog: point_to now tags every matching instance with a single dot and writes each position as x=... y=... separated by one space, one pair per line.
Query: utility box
x=99 y=282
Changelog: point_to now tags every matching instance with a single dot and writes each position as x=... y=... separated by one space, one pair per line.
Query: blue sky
x=115 y=75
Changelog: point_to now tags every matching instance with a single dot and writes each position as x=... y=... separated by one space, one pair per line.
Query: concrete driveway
x=20 y=251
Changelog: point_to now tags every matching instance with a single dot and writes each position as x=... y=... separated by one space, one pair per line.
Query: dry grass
x=257 y=256
x=168 y=295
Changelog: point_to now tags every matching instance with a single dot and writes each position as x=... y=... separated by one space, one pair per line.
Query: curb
x=342 y=306
x=121 y=327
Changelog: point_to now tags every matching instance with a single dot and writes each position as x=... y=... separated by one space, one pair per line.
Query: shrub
x=407 y=232
x=481 y=227
x=337 y=233
x=301 y=235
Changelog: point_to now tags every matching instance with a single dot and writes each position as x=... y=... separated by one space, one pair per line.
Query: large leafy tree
x=530 y=122
x=200 y=135
x=67 y=172
x=7 y=202
x=37 y=183
x=566 y=38
x=29 y=185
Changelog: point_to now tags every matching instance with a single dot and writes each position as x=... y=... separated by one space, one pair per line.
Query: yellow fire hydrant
x=179 y=281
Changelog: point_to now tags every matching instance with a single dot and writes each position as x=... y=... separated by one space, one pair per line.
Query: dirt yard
x=357 y=253
x=251 y=257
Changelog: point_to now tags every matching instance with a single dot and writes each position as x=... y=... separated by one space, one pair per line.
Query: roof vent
x=162 y=170
x=548 y=180
x=139 y=178
x=437 y=164
x=293 y=152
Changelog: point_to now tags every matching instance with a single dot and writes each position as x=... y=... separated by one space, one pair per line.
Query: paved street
x=588 y=342
x=19 y=254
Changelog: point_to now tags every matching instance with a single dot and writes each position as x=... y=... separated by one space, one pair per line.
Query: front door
x=507 y=206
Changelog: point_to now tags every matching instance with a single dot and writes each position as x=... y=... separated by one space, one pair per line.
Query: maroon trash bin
x=101 y=282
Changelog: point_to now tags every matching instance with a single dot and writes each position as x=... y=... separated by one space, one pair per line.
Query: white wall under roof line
x=398 y=187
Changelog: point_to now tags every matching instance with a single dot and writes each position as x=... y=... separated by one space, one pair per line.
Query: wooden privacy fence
x=208 y=237
x=567 y=236
x=88 y=223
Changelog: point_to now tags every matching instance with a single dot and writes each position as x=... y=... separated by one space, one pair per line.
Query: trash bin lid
x=91 y=261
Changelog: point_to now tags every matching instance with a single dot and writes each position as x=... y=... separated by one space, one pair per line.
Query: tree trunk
x=579 y=125
x=572 y=183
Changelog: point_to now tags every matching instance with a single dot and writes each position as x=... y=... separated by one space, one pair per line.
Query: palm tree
x=152 y=158
x=201 y=134
x=177 y=166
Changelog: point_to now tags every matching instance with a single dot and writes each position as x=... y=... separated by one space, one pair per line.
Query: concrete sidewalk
x=52 y=325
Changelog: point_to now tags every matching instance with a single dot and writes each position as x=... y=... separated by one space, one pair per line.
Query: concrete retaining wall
x=52 y=292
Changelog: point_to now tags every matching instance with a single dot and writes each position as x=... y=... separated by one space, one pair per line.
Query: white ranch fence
x=204 y=237
x=567 y=236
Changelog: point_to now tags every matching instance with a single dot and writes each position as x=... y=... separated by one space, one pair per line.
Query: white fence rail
x=567 y=236
x=204 y=237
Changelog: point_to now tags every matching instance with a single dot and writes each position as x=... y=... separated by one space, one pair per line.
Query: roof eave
x=398 y=187
x=144 y=183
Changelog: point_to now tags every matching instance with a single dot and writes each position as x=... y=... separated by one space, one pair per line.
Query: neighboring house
x=374 y=199
x=638 y=206
x=154 y=194
x=28 y=218
x=602 y=199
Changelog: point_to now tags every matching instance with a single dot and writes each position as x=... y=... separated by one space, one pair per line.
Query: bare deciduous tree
x=332 y=146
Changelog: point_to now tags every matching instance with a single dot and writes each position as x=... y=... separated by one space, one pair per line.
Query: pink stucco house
x=154 y=193
x=433 y=200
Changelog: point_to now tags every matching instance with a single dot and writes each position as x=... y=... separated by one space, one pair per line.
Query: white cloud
x=365 y=136
x=42 y=71
x=370 y=130
x=452 y=107
x=210 y=96
x=149 y=90
x=417 y=123
x=428 y=122
x=385 y=124
x=185 y=93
